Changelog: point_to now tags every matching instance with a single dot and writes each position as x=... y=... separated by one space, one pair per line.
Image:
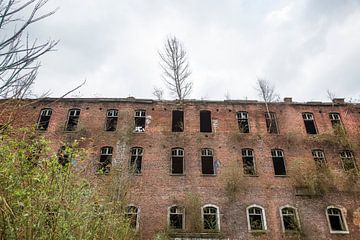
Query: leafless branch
x=158 y=93
x=331 y=95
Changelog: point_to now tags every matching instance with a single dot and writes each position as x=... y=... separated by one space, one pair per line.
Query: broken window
x=289 y=219
x=207 y=161
x=73 y=119
x=131 y=213
x=271 y=123
x=309 y=123
x=64 y=155
x=105 y=159
x=243 y=122
x=335 y=119
x=140 y=120
x=336 y=220
x=205 y=121
x=136 y=159
x=177 y=121
x=256 y=218
x=111 y=120
x=176 y=217
x=348 y=161
x=319 y=158
x=279 y=162
x=248 y=161
x=210 y=218
x=177 y=161
x=44 y=119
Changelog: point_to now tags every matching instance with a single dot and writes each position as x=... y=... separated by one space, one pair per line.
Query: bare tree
x=176 y=68
x=331 y=95
x=19 y=55
x=158 y=93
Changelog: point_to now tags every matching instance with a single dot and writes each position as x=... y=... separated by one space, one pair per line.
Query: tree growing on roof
x=174 y=62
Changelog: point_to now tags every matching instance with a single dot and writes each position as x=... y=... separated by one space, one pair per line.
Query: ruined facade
x=220 y=169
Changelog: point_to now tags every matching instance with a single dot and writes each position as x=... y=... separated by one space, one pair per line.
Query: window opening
x=176 y=217
x=319 y=158
x=136 y=159
x=177 y=121
x=279 y=162
x=248 y=161
x=256 y=219
x=336 y=220
x=111 y=120
x=205 y=121
x=348 y=161
x=131 y=213
x=207 y=161
x=243 y=122
x=309 y=123
x=271 y=123
x=44 y=119
x=177 y=161
x=105 y=159
x=289 y=219
x=140 y=119
x=73 y=119
x=210 y=217
x=64 y=155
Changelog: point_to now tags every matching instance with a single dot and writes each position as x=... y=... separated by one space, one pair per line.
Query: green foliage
x=233 y=181
x=42 y=199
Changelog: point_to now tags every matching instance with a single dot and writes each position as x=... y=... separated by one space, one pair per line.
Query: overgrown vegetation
x=42 y=199
x=233 y=181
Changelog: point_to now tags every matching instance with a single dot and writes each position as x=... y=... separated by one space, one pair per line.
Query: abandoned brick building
x=220 y=169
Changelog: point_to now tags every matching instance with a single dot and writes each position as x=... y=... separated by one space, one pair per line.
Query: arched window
x=319 y=158
x=336 y=220
x=248 y=161
x=278 y=162
x=176 y=217
x=309 y=122
x=105 y=159
x=73 y=119
x=132 y=214
x=136 y=160
x=210 y=216
x=289 y=219
x=243 y=122
x=111 y=120
x=256 y=218
x=348 y=161
x=44 y=119
x=177 y=161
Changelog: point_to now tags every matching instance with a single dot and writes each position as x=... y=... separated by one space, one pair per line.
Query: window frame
x=107 y=166
x=132 y=168
x=41 y=115
x=353 y=160
x=183 y=217
x=305 y=118
x=217 y=229
x=207 y=150
x=253 y=161
x=175 y=128
x=263 y=217
x=241 y=119
x=270 y=116
x=284 y=162
x=183 y=160
x=137 y=215
x=139 y=129
x=342 y=217
x=202 y=130
x=319 y=164
x=116 y=113
x=68 y=119
x=333 y=121
x=296 y=218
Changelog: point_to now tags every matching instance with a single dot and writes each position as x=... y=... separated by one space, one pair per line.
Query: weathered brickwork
x=156 y=189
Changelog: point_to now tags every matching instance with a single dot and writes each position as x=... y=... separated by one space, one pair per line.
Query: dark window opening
x=73 y=119
x=140 y=120
x=279 y=163
x=289 y=219
x=319 y=158
x=111 y=120
x=336 y=219
x=176 y=217
x=177 y=121
x=44 y=119
x=271 y=124
x=64 y=155
x=207 y=161
x=243 y=122
x=136 y=159
x=105 y=159
x=210 y=218
x=309 y=123
x=348 y=161
x=256 y=218
x=131 y=213
x=248 y=161
x=177 y=161
x=205 y=121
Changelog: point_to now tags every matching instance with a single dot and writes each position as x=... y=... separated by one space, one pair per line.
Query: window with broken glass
x=256 y=219
x=336 y=220
x=176 y=217
x=348 y=161
x=248 y=161
x=73 y=120
x=271 y=123
x=309 y=123
x=44 y=119
x=140 y=120
x=205 y=121
x=243 y=122
x=210 y=218
x=207 y=161
x=131 y=213
x=177 y=121
x=105 y=159
x=278 y=162
x=111 y=120
x=136 y=160
x=319 y=158
x=289 y=219
x=177 y=161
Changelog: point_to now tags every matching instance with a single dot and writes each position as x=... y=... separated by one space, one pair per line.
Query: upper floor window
x=176 y=217
x=336 y=220
x=319 y=158
x=136 y=159
x=271 y=123
x=243 y=122
x=73 y=119
x=309 y=123
x=44 y=119
x=177 y=161
x=256 y=218
x=335 y=119
x=289 y=218
x=278 y=162
x=105 y=159
x=211 y=220
x=207 y=161
x=132 y=214
x=111 y=120
x=177 y=121
x=348 y=161
x=140 y=120
x=248 y=161
x=205 y=121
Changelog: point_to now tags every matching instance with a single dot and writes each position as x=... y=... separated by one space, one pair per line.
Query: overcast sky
x=303 y=47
